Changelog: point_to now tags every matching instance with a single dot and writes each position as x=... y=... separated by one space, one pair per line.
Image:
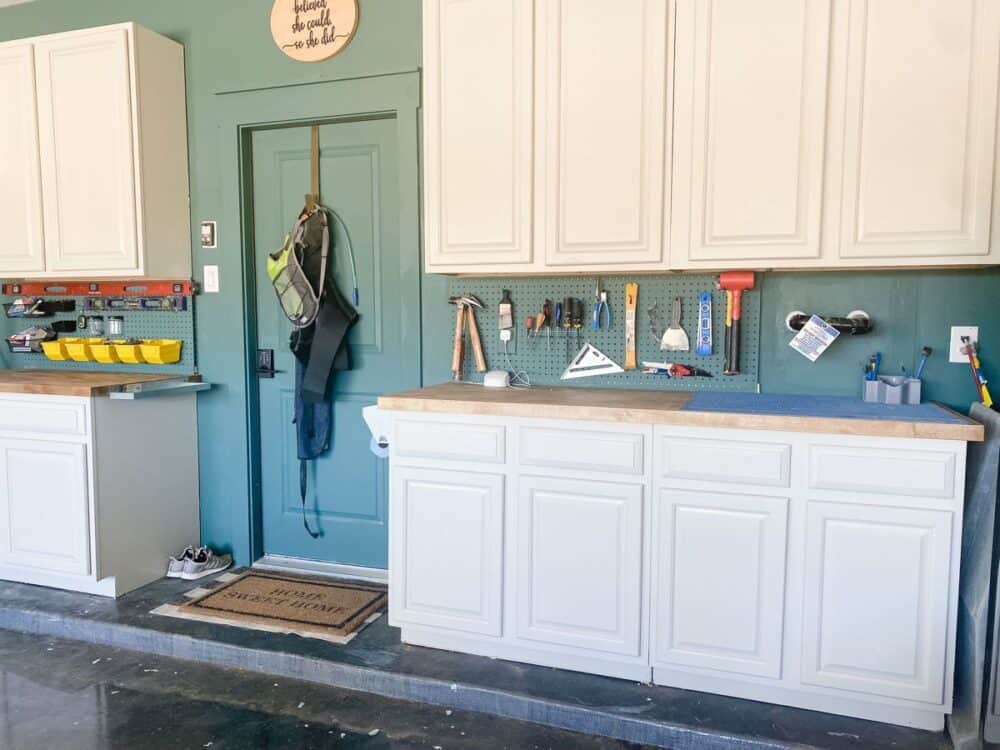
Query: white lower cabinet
x=579 y=563
x=720 y=581
x=811 y=570
x=47 y=521
x=447 y=549
x=876 y=600
x=82 y=506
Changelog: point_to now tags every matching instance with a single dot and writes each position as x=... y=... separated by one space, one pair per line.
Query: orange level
x=123 y=288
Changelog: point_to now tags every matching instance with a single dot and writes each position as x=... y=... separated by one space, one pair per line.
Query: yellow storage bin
x=105 y=352
x=161 y=351
x=56 y=350
x=79 y=349
x=129 y=353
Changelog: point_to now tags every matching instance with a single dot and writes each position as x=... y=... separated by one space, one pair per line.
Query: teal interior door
x=348 y=487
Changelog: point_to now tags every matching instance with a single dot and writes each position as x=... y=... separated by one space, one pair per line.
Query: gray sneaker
x=203 y=563
x=175 y=565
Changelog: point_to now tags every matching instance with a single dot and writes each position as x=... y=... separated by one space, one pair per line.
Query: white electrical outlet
x=955 y=349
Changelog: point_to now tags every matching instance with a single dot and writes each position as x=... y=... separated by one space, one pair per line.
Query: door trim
x=327 y=102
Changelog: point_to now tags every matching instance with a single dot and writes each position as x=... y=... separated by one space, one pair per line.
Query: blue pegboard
x=139 y=324
x=545 y=361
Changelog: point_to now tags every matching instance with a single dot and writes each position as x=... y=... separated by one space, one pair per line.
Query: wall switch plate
x=955 y=353
x=211 y=276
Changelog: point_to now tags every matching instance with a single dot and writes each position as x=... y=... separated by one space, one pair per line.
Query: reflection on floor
x=66 y=695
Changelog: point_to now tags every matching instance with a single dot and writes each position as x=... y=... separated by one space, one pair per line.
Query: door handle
x=265 y=363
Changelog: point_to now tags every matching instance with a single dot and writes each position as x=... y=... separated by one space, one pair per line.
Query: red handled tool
x=734 y=283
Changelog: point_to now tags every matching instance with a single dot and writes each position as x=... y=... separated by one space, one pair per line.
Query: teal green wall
x=911 y=309
x=228 y=48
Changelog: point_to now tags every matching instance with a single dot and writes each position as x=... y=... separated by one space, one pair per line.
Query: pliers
x=601 y=306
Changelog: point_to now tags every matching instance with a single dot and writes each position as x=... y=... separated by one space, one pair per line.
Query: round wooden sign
x=313 y=30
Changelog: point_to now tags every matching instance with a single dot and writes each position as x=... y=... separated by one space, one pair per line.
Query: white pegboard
x=544 y=361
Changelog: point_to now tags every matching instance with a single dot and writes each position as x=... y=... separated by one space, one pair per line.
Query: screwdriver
x=567 y=323
x=547 y=313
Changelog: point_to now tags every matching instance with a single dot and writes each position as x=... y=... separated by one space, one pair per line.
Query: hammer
x=466 y=317
x=734 y=283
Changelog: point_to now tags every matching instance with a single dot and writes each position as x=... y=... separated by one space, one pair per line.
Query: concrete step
x=377 y=663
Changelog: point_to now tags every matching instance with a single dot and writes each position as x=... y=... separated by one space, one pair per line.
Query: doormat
x=330 y=610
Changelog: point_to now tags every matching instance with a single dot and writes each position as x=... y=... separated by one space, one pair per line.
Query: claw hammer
x=465 y=317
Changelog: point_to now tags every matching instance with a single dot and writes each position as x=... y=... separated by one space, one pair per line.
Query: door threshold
x=318 y=567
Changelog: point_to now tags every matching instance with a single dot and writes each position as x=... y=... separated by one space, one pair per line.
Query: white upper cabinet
x=101 y=162
x=602 y=131
x=545 y=130
x=918 y=103
x=751 y=81
x=592 y=137
x=88 y=175
x=21 y=248
x=478 y=97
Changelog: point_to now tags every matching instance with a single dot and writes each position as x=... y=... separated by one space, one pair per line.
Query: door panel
x=478 y=103
x=720 y=578
x=22 y=250
x=348 y=486
x=44 y=507
x=86 y=139
x=604 y=84
x=876 y=600
x=579 y=557
x=447 y=550
x=919 y=146
x=750 y=129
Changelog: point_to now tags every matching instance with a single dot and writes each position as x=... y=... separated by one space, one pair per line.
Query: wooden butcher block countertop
x=76 y=383
x=841 y=415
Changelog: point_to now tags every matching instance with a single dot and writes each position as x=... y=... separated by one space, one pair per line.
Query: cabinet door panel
x=44 y=507
x=86 y=141
x=21 y=250
x=603 y=83
x=478 y=106
x=720 y=579
x=920 y=116
x=447 y=549
x=750 y=129
x=579 y=556
x=876 y=600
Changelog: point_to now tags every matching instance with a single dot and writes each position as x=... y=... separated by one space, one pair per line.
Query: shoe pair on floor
x=197 y=562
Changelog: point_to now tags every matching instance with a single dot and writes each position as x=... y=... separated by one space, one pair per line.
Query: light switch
x=211 y=276
x=955 y=353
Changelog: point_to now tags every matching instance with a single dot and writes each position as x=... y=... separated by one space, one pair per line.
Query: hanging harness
x=321 y=319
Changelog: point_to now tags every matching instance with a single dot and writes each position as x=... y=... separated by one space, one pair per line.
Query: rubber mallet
x=735 y=283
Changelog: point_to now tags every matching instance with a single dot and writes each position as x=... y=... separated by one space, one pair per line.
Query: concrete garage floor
x=59 y=694
x=376 y=663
